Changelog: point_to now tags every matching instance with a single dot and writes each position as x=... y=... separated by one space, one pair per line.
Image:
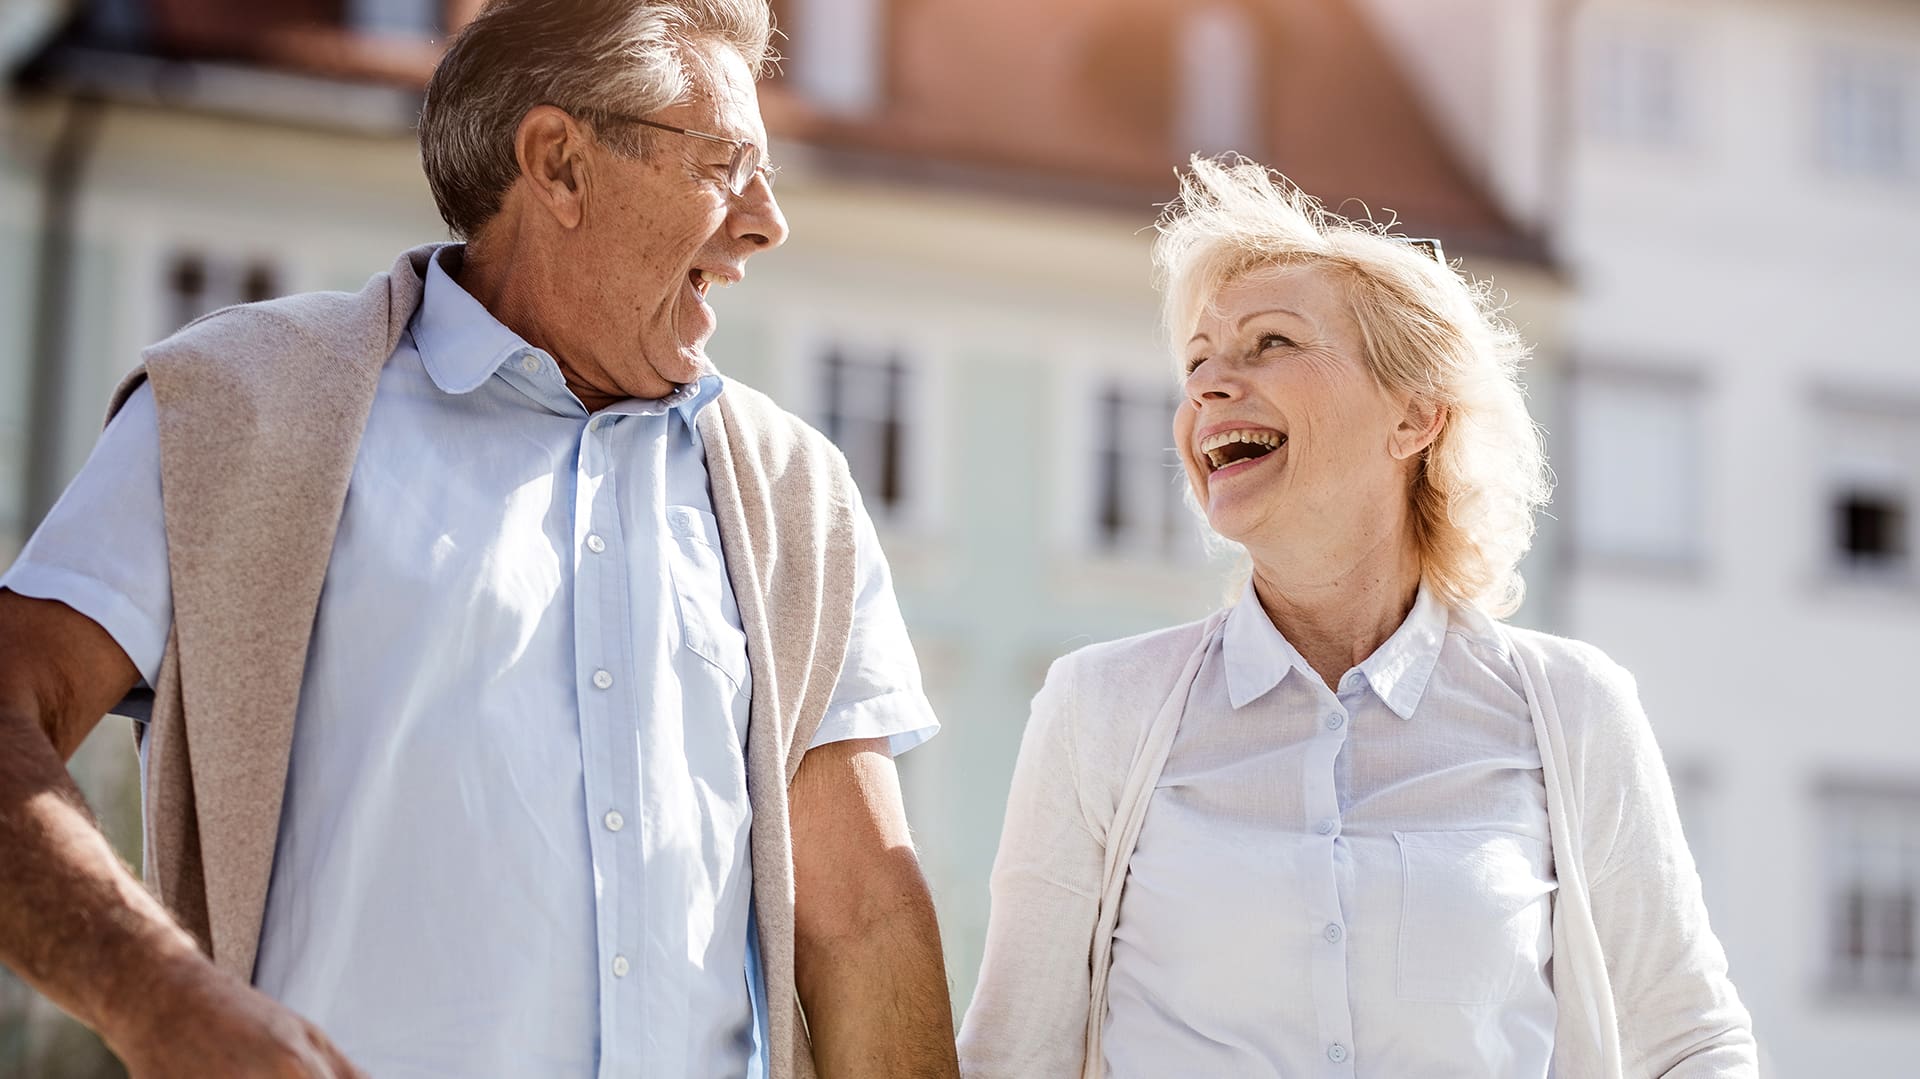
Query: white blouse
x=1341 y=884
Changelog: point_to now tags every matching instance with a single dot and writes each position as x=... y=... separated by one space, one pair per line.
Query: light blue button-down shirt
x=515 y=836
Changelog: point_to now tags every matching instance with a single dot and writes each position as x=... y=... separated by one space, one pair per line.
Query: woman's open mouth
x=1239 y=449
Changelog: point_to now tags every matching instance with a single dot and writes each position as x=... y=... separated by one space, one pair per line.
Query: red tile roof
x=1071 y=98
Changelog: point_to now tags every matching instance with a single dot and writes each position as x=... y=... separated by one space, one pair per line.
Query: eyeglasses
x=1431 y=248
x=740 y=168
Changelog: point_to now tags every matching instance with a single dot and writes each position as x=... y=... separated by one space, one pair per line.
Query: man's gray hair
x=589 y=57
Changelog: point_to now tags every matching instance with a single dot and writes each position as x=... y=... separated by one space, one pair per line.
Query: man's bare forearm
x=876 y=995
x=74 y=921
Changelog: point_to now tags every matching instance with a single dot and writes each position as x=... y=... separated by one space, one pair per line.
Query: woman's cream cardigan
x=1639 y=979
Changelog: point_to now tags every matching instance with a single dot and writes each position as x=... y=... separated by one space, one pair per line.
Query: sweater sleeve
x=1678 y=1012
x=1029 y=1013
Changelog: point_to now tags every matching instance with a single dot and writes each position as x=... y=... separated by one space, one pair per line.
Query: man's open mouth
x=1243 y=444
x=702 y=280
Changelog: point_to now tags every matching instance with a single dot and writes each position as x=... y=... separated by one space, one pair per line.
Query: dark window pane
x=891 y=449
x=1872 y=527
x=259 y=284
x=832 y=371
x=1111 y=511
x=1853 y=926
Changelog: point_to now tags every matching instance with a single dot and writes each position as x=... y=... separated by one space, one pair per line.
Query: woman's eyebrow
x=1251 y=315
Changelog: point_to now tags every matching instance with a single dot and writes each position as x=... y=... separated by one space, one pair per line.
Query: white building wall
x=1732 y=254
x=1715 y=249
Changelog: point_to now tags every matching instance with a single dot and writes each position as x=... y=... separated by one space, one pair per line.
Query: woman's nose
x=1214 y=385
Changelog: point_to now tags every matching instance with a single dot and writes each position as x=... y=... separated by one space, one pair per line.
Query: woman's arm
x=1678 y=1011
x=1029 y=1013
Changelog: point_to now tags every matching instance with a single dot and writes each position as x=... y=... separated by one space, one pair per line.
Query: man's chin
x=690 y=363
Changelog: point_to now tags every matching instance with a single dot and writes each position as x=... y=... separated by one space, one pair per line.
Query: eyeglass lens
x=746 y=160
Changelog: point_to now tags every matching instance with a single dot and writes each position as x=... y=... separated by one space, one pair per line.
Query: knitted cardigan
x=1639 y=979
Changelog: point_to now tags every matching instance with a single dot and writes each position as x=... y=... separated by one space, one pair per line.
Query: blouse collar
x=1258 y=656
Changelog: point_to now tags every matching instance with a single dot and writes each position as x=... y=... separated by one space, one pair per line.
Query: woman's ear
x=1420 y=424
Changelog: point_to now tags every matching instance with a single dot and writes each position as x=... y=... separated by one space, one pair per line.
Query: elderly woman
x=1352 y=825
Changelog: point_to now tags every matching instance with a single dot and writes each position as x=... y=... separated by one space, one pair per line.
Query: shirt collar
x=462 y=345
x=1258 y=656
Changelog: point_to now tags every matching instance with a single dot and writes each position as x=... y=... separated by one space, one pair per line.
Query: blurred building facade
x=964 y=305
x=1736 y=204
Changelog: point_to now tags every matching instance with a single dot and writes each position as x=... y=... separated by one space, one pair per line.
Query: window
x=400 y=18
x=1872 y=840
x=837 y=50
x=1636 y=454
x=1219 y=95
x=197 y=283
x=865 y=400
x=1865 y=116
x=1634 y=89
x=1139 y=505
x=1872 y=479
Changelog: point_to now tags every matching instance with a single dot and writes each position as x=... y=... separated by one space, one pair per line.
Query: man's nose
x=757 y=218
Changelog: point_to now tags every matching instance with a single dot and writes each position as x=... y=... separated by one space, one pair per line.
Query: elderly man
x=523 y=696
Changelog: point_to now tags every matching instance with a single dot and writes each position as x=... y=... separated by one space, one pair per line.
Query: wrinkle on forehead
x=1317 y=299
x=726 y=86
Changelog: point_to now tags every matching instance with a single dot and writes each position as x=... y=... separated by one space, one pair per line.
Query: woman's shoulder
x=1568 y=662
x=1124 y=666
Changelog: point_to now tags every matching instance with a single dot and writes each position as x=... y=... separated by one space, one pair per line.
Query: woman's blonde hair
x=1427 y=331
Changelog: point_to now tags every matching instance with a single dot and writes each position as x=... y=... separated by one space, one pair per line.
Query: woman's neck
x=1337 y=619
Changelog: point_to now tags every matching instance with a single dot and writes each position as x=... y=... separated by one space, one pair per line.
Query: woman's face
x=1292 y=447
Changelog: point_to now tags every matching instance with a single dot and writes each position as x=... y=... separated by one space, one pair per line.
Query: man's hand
x=74 y=921
x=866 y=945
x=209 y=1024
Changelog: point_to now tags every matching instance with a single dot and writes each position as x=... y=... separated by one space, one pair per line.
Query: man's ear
x=1420 y=424
x=552 y=148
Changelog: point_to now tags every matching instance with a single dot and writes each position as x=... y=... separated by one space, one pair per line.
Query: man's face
x=663 y=227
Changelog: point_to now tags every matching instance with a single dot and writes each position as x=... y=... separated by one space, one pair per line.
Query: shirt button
x=1337 y=1053
x=1332 y=933
x=1336 y=721
x=1327 y=826
x=614 y=820
x=620 y=966
x=595 y=543
x=529 y=363
x=602 y=680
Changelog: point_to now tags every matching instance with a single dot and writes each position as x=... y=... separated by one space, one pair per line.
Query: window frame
x=1841 y=871
x=1689 y=380
x=1612 y=109
x=923 y=428
x=1832 y=150
x=1078 y=446
x=1840 y=470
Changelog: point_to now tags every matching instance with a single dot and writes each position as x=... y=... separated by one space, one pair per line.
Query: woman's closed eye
x=1261 y=344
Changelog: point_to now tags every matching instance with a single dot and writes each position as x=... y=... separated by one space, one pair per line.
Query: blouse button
x=1327 y=826
x=1337 y=1053
x=1336 y=721
x=1332 y=933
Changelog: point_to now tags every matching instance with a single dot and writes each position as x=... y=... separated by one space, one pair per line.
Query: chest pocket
x=1474 y=915
x=709 y=617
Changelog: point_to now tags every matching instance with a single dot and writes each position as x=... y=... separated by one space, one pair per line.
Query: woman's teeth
x=1227 y=447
